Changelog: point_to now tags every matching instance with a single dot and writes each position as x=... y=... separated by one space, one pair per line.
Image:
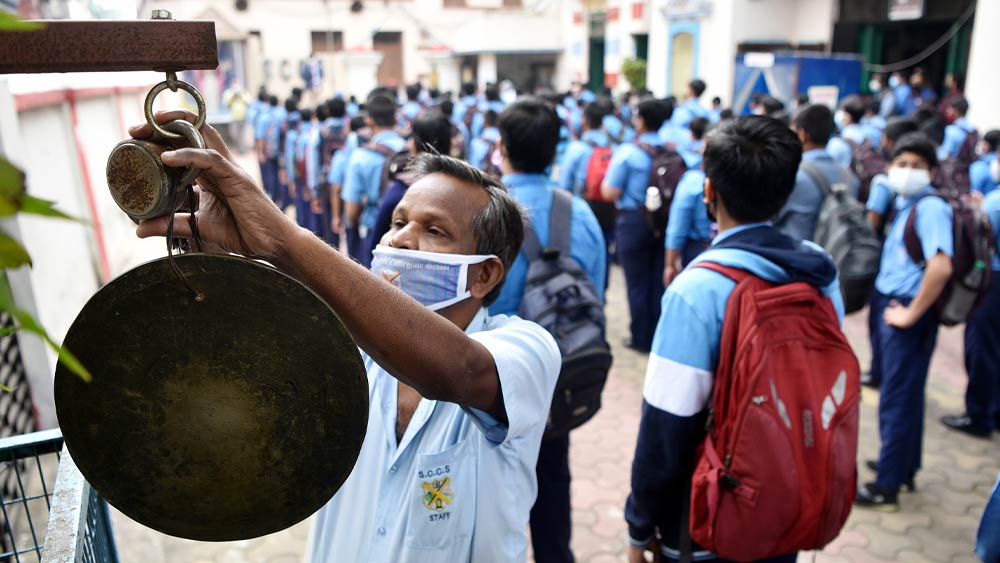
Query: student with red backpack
x=638 y=241
x=761 y=361
x=907 y=291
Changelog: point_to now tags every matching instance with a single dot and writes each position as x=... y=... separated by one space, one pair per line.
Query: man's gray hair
x=498 y=227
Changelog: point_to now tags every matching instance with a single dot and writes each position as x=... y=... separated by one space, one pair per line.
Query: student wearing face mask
x=884 y=94
x=907 y=291
x=984 y=173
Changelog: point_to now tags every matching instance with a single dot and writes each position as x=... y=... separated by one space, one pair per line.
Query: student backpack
x=972 y=264
x=843 y=230
x=776 y=472
x=333 y=138
x=597 y=169
x=665 y=171
x=560 y=296
x=395 y=163
x=953 y=174
x=866 y=163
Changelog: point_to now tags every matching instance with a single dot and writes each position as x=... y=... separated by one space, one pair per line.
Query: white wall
x=983 y=84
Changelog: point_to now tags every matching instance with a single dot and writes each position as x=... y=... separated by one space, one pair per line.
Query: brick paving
x=935 y=524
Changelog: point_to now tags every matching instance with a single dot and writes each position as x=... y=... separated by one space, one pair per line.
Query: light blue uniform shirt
x=484 y=470
x=586 y=241
x=262 y=121
x=254 y=112
x=685 y=351
x=479 y=148
x=692 y=154
x=840 y=150
x=899 y=275
x=573 y=172
x=309 y=143
x=688 y=219
x=991 y=206
x=880 y=195
x=363 y=179
x=617 y=129
x=479 y=119
x=687 y=111
x=338 y=166
x=670 y=134
x=629 y=171
x=798 y=217
x=979 y=174
x=290 y=152
x=954 y=136
x=412 y=109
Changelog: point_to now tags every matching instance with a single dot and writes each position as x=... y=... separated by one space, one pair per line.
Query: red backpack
x=776 y=472
x=597 y=169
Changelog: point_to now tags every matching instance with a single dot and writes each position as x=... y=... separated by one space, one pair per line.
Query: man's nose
x=404 y=237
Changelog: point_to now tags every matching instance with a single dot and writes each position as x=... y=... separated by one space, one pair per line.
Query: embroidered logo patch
x=437 y=494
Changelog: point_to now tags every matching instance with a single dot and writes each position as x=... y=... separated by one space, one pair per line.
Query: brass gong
x=226 y=417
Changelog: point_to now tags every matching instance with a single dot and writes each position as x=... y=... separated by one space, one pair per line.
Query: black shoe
x=868 y=381
x=963 y=423
x=872 y=496
x=628 y=343
x=908 y=486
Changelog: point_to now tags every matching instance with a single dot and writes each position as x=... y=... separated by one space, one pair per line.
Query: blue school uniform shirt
x=692 y=154
x=880 y=195
x=687 y=111
x=688 y=219
x=954 y=136
x=262 y=121
x=799 y=215
x=628 y=171
x=254 y=112
x=991 y=206
x=670 y=134
x=289 y=153
x=488 y=467
x=680 y=374
x=479 y=119
x=906 y=103
x=586 y=241
x=979 y=174
x=616 y=129
x=573 y=172
x=479 y=147
x=363 y=179
x=899 y=275
x=841 y=151
x=309 y=145
x=412 y=109
x=338 y=165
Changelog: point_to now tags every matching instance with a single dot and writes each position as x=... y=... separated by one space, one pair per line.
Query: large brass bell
x=228 y=400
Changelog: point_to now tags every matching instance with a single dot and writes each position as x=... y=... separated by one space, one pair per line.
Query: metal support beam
x=110 y=45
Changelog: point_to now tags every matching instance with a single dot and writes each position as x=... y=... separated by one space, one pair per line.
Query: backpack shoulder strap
x=735 y=274
x=817 y=176
x=911 y=240
x=559 y=220
x=382 y=149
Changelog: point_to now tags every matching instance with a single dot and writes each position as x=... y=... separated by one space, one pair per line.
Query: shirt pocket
x=441 y=503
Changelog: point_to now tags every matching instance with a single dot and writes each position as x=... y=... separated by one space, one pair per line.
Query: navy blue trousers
x=876 y=307
x=982 y=360
x=551 y=526
x=269 y=177
x=641 y=255
x=906 y=357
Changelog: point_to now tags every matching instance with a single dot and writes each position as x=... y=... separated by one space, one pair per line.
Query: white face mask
x=437 y=280
x=995 y=170
x=874 y=86
x=908 y=181
x=895 y=81
x=840 y=119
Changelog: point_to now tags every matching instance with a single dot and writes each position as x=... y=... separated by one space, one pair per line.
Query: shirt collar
x=595 y=135
x=517 y=180
x=907 y=202
x=737 y=229
x=383 y=135
x=650 y=138
x=815 y=154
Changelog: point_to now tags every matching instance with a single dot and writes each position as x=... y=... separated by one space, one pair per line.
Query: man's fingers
x=158 y=227
x=212 y=137
x=208 y=161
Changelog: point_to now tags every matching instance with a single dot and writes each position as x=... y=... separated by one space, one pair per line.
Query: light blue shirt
x=412 y=109
x=338 y=166
x=586 y=241
x=479 y=148
x=685 y=350
x=670 y=134
x=479 y=119
x=687 y=111
x=692 y=154
x=617 y=130
x=483 y=470
x=363 y=179
x=979 y=174
x=854 y=133
x=880 y=195
x=841 y=151
x=899 y=275
x=798 y=217
x=573 y=172
x=629 y=172
x=309 y=147
x=954 y=136
x=290 y=152
x=688 y=219
x=262 y=121
x=991 y=206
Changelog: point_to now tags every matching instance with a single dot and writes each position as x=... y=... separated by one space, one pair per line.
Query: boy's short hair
x=896 y=127
x=916 y=143
x=698 y=127
x=447 y=107
x=529 y=129
x=697 y=86
x=382 y=110
x=655 y=112
x=960 y=105
x=337 y=107
x=413 y=92
x=817 y=122
x=432 y=133
x=469 y=89
x=593 y=115
x=854 y=106
x=992 y=139
x=752 y=162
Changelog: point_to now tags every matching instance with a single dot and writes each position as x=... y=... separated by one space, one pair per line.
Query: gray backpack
x=843 y=230
x=560 y=296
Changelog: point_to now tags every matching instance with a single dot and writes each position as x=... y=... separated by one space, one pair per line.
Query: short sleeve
x=879 y=197
x=680 y=225
x=528 y=364
x=354 y=183
x=617 y=173
x=934 y=227
x=338 y=166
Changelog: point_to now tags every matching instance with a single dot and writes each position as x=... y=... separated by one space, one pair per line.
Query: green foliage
x=10 y=22
x=635 y=73
x=15 y=199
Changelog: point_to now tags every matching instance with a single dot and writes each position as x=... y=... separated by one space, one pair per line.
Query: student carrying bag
x=560 y=296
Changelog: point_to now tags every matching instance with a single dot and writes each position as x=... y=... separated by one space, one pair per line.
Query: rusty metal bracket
x=110 y=45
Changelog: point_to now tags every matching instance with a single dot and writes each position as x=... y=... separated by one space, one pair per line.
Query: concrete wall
x=983 y=85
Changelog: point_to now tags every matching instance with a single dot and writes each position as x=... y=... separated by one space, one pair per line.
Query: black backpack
x=560 y=296
x=843 y=230
x=665 y=171
x=953 y=174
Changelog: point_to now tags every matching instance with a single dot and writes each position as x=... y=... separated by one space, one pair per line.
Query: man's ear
x=485 y=277
x=710 y=194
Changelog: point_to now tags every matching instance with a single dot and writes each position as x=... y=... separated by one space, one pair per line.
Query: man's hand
x=669 y=273
x=638 y=554
x=234 y=214
x=337 y=225
x=898 y=316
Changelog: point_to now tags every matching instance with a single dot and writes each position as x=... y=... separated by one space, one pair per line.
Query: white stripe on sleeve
x=676 y=388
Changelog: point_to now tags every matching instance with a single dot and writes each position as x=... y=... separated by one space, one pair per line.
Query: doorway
x=390 y=70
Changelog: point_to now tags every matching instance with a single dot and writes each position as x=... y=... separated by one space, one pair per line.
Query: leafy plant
x=635 y=73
